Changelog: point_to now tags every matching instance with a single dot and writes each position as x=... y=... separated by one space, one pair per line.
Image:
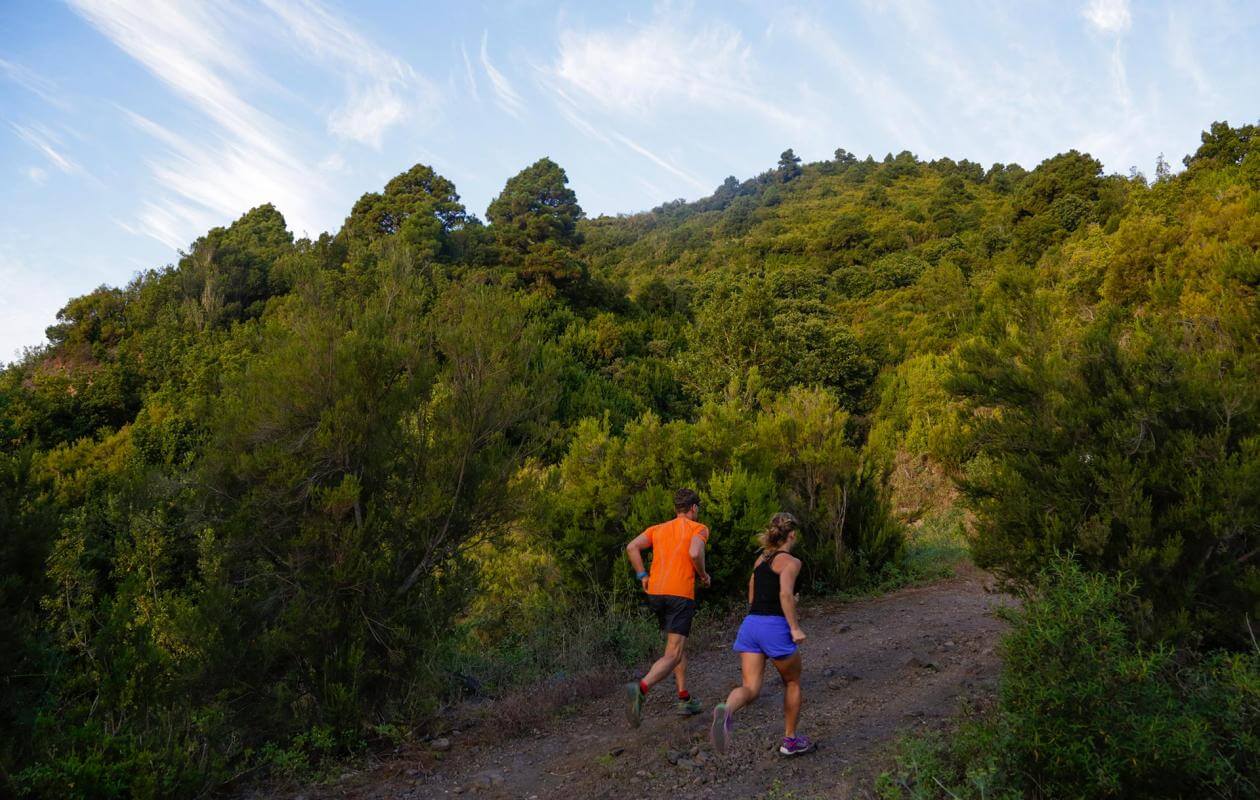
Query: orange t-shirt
x=672 y=571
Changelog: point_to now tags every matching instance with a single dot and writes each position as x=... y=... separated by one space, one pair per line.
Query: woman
x=771 y=630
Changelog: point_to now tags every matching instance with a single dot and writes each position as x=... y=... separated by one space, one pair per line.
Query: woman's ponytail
x=777 y=532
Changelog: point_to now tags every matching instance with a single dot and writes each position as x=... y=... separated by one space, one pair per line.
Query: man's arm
x=696 y=551
x=634 y=551
x=787 y=597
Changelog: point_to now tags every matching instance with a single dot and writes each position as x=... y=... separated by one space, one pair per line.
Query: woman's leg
x=753 y=666
x=790 y=670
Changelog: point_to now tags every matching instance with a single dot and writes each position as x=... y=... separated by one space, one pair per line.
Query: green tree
x=419 y=206
x=536 y=206
x=789 y=168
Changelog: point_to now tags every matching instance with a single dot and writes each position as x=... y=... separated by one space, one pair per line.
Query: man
x=677 y=561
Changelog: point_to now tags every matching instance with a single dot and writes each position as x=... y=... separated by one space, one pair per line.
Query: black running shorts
x=673 y=613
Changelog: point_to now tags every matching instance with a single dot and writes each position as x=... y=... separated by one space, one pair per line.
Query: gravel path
x=874 y=669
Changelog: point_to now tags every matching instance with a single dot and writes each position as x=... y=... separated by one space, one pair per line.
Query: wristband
x=641 y=575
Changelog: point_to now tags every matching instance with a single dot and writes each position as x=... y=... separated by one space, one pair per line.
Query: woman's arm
x=787 y=596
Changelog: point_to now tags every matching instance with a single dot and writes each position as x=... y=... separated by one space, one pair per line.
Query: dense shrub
x=1086 y=710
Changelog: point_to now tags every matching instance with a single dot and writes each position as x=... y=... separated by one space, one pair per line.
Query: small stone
x=686 y=763
x=829 y=673
x=846 y=628
x=616 y=751
x=949 y=643
x=923 y=662
x=488 y=778
x=440 y=745
x=695 y=750
x=642 y=773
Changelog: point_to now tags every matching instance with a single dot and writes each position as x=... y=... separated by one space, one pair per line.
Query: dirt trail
x=874 y=668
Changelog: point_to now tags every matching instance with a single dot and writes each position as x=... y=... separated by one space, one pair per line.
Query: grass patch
x=936 y=546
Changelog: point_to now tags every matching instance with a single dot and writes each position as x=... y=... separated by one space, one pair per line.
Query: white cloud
x=46 y=142
x=383 y=90
x=660 y=162
x=665 y=64
x=1182 y=55
x=507 y=97
x=37 y=175
x=468 y=74
x=886 y=103
x=246 y=157
x=333 y=162
x=32 y=82
x=1108 y=16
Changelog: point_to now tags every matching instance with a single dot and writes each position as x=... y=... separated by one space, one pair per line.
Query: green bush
x=1085 y=710
x=792 y=453
x=1135 y=443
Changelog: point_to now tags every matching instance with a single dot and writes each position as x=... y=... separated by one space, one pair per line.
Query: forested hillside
x=281 y=500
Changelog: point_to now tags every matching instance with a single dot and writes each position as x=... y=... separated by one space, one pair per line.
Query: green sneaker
x=634 y=704
x=686 y=708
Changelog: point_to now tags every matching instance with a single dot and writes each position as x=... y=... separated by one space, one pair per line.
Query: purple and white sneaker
x=797 y=746
x=720 y=730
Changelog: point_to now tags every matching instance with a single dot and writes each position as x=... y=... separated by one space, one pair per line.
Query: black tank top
x=765 y=600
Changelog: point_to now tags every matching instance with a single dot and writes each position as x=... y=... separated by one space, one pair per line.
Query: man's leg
x=636 y=691
x=680 y=675
x=674 y=644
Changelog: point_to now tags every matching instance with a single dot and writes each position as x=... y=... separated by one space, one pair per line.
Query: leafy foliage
x=256 y=506
x=1085 y=710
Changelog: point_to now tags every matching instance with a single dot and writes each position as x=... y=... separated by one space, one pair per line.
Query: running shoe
x=690 y=707
x=720 y=730
x=634 y=704
x=797 y=746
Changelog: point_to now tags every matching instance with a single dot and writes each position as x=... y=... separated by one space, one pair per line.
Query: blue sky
x=131 y=127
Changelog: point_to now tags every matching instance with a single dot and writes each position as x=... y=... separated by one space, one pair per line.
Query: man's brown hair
x=684 y=499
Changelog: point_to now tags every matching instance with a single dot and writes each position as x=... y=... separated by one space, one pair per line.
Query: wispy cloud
x=46 y=142
x=246 y=157
x=1182 y=55
x=507 y=97
x=37 y=175
x=660 y=162
x=666 y=63
x=1108 y=16
x=243 y=159
x=469 y=77
x=383 y=90
x=33 y=82
x=886 y=103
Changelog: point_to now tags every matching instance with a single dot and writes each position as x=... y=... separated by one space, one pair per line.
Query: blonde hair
x=777 y=532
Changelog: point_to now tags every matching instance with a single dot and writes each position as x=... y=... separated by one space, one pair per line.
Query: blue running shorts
x=765 y=634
